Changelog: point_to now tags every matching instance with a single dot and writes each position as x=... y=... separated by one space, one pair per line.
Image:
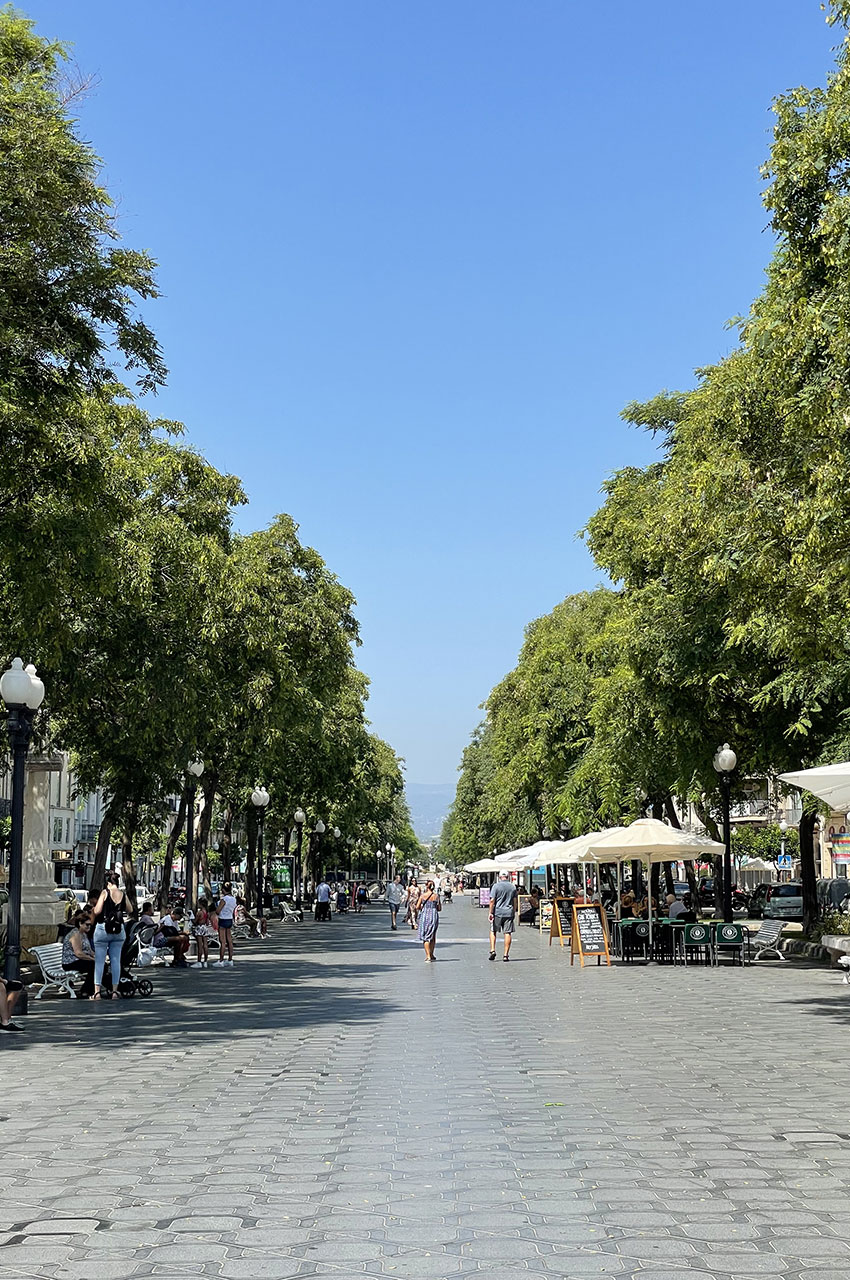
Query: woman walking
x=429 y=919
x=412 y=901
x=109 y=933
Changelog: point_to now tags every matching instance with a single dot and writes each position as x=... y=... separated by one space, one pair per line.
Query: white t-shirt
x=228 y=909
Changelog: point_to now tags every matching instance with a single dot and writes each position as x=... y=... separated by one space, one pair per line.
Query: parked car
x=681 y=888
x=784 y=902
x=834 y=894
x=758 y=898
x=80 y=896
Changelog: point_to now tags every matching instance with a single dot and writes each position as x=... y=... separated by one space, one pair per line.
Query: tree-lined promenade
x=162 y=634
x=728 y=620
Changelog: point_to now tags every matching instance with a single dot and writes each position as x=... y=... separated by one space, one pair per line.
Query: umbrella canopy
x=649 y=840
x=519 y=860
x=757 y=864
x=484 y=864
x=830 y=782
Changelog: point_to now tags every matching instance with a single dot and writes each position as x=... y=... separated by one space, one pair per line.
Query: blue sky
x=415 y=258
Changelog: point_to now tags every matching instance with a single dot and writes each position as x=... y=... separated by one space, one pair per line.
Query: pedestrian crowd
x=98 y=935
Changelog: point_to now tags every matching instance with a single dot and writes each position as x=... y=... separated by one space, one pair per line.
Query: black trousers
x=85 y=966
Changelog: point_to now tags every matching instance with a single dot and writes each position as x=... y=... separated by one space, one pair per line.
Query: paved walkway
x=334 y=1107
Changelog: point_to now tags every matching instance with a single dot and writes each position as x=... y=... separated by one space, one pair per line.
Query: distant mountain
x=429 y=804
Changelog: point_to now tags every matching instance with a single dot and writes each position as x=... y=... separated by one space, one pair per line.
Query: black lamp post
x=22 y=692
x=260 y=800
x=300 y=819
x=194 y=769
x=725 y=761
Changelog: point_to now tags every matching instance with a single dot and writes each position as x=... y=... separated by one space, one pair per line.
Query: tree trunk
x=707 y=821
x=808 y=870
x=104 y=835
x=654 y=881
x=637 y=878
x=129 y=871
x=227 y=842
x=168 y=866
x=202 y=836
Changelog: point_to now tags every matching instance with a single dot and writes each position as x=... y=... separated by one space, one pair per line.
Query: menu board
x=589 y=932
x=560 y=924
x=484 y=896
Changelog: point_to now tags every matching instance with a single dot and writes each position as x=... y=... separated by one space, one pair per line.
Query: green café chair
x=696 y=943
x=731 y=939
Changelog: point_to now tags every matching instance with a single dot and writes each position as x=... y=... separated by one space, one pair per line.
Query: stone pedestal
x=40 y=912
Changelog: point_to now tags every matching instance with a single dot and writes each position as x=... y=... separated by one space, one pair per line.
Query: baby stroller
x=342 y=900
x=135 y=943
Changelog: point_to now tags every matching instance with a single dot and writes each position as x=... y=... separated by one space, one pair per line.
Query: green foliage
x=764 y=842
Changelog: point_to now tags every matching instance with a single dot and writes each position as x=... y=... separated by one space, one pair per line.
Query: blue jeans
x=111 y=942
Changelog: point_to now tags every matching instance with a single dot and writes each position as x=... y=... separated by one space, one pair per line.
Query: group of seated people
x=675 y=908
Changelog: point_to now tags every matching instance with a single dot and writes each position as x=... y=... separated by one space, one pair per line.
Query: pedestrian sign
x=783 y=862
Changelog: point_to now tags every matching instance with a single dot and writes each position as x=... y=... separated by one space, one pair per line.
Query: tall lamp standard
x=318 y=832
x=23 y=693
x=300 y=819
x=350 y=843
x=725 y=761
x=260 y=800
x=194 y=769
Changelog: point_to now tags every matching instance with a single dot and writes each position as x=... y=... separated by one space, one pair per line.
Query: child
x=203 y=932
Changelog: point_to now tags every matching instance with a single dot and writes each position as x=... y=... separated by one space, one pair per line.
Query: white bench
x=49 y=960
x=838 y=946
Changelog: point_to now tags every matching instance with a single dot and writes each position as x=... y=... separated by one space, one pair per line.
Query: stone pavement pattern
x=334 y=1107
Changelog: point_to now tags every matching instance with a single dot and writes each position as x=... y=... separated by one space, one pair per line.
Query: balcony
x=754 y=807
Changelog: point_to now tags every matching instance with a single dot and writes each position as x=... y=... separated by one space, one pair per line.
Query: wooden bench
x=49 y=960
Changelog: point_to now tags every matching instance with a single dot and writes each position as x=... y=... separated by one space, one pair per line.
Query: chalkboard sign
x=589 y=932
x=484 y=896
x=767 y=939
x=560 y=926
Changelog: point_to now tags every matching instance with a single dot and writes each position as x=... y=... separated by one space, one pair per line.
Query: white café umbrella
x=650 y=840
x=829 y=782
x=484 y=864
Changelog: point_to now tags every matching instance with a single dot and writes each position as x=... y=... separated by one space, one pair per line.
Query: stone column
x=40 y=911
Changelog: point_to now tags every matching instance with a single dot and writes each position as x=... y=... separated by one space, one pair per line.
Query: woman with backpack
x=108 y=933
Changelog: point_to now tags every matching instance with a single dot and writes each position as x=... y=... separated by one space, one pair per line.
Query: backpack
x=112 y=916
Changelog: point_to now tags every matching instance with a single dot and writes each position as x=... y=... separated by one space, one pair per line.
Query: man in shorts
x=395 y=897
x=503 y=899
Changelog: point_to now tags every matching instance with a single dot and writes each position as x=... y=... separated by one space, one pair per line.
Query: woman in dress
x=412 y=901
x=429 y=919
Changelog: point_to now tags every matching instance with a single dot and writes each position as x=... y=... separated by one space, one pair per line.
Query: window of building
x=57 y=830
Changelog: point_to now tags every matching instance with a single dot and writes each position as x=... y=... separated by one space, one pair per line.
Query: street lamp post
x=194 y=769
x=300 y=819
x=318 y=832
x=725 y=761
x=260 y=800
x=22 y=692
x=350 y=843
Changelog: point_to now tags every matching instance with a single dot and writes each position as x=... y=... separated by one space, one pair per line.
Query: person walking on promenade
x=323 y=900
x=412 y=902
x=226 y=912
x=108 y=933
x=395 y=897
x=429 y=919
x=503 y=899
